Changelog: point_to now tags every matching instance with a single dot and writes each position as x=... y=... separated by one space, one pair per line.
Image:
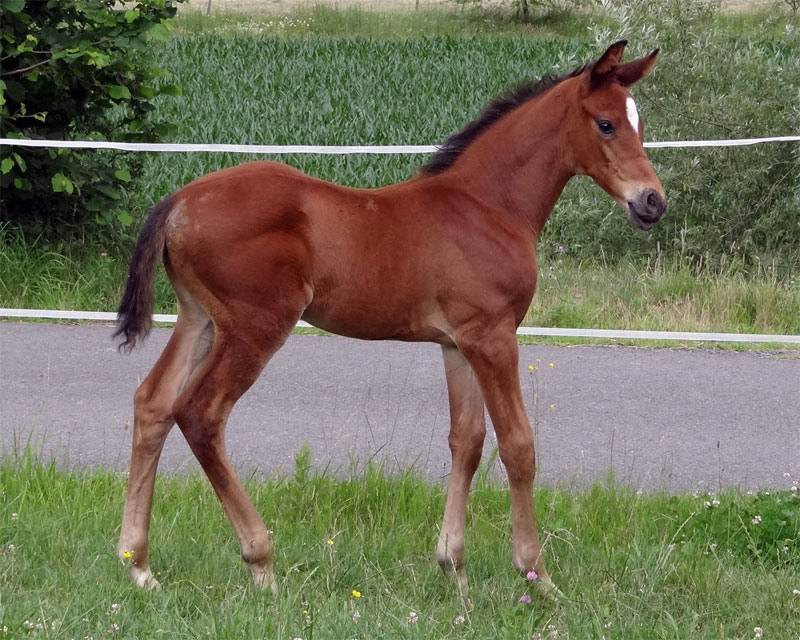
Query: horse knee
x=467 y=448
x=517 y=454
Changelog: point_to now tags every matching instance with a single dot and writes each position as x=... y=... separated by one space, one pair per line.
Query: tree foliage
x=76 y=69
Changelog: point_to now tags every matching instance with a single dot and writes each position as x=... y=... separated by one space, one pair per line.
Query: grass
x=671 y=296
x=632 y=565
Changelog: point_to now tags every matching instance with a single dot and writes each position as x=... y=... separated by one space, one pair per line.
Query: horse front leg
x=467 y=433
x=494 y=357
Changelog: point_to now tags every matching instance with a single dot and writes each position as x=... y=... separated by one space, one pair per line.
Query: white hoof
x=264 y=579
x=143 y=578
x=549 y=590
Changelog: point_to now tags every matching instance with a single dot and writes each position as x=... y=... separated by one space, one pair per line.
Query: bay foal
x=447 y=257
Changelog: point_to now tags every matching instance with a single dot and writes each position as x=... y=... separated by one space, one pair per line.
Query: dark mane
x=455 y=145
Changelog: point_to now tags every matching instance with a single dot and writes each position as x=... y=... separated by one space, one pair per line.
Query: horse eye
x=606 y=128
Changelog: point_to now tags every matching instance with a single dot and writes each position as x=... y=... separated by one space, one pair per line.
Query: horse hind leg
x=467 y=433
x=238 y=356
x=153 y=418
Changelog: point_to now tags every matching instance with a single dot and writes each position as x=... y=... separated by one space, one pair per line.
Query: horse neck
x=520 y=164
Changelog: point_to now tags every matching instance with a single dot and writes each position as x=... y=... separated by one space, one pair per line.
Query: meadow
x=355 y=560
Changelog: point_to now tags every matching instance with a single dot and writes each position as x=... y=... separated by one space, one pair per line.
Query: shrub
x=75 y=69
x=725 y=205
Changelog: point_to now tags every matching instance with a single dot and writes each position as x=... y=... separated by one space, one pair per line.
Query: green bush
x=75 y=69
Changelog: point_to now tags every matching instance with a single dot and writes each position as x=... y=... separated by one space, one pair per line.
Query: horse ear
x=631 y=72
x=607 y=63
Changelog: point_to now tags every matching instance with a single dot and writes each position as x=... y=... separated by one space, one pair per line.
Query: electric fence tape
x=277 y=149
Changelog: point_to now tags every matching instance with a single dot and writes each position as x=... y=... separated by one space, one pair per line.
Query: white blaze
x=632 y=113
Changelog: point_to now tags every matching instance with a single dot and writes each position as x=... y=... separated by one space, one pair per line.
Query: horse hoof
x=550 y=591
x=143 y=578
x=264 y=580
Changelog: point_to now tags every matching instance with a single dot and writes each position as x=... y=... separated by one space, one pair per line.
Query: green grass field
x=631 y=565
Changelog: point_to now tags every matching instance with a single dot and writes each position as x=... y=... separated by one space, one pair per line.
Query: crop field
x=251 y=83
x=355 y=559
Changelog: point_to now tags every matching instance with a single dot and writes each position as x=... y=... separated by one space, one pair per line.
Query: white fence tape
x=607 y=334
x=331 y=149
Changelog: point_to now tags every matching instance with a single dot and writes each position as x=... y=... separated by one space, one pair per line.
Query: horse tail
x=135 y=314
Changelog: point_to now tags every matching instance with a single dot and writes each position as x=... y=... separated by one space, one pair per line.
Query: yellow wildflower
x=356 y=594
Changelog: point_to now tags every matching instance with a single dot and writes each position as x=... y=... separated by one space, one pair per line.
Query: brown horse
x=447 y=257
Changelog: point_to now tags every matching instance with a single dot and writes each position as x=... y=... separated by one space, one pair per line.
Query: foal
x=447 y=257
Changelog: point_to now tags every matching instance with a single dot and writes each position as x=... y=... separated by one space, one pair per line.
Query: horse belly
x=366 y=318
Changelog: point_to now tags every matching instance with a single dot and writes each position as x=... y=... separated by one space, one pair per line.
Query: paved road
x=662 y=418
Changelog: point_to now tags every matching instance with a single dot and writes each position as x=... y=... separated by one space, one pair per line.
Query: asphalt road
x=661 y=418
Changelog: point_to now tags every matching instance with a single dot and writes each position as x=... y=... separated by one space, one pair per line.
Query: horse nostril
x=653 y=203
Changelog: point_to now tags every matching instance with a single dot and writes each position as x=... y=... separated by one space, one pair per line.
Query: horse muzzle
x=646 y=208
